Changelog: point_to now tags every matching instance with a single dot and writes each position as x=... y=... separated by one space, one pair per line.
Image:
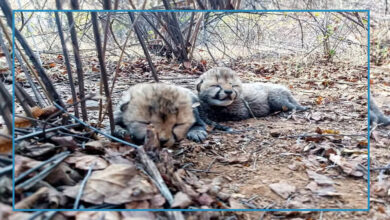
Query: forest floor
x=316 y=159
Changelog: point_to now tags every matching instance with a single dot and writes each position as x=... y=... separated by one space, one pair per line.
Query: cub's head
x=167 y=107
x=220 y=86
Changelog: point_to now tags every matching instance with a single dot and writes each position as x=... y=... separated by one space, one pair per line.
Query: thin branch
x=143 y=45
x=103 y=70
x=82 y=186
x=79 y=68
x=67 y=62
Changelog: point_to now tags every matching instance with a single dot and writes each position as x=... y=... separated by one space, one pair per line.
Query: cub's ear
x=124 y=106
x=198 y=84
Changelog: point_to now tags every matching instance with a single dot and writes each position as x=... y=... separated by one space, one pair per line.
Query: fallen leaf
x=330 y=131
x=22 y=122
x=117 y=184
x=381 y=209
x=235 y=157
x=319 y=179
x=44 y=112
x=381 y=188
x=138 y=205
x=296 y=165
x=63 y=175
x=319 y=100
x=36 y=151
x=326 y=131
x=97 y=215
x=23 y=164
x=64 y=141
x=350 y=168
x=363 y=144
x=83 y=162
x=6 y=212
x=234 y=204
x=5 y=145
x=205 y=199
x=316 y=116
x=283 y=189
x=322 y=190
x=157 y=201
x=181 y=200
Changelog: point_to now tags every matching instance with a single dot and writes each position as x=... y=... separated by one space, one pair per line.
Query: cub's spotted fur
x=224 y=97
x=376 y=115
x=167 y=107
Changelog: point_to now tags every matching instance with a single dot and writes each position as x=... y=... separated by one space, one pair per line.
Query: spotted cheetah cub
x=224 y=97
x=169 y=108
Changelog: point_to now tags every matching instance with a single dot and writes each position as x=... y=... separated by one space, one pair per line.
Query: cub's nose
x=163 y=141
x=228 y=92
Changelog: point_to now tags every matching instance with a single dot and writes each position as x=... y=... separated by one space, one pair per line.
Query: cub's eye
x=143 y=122
x=236 y=86
x=178 y=124
x=217 y=86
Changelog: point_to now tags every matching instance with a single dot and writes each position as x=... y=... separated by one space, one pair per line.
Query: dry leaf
x=45 y=112
x=5 y=145
x=316 y=116
x=283 y=189
x=36 y=151
x=350 y=168
x=319 y=100
x=6 y=212
x=319 y=179
x=381 y=188
x=234 y=204
x=205 y=199
x=22 y=164
x=326 y=131
x=363 y=144
x=322 y=190
x=235 y=157
x=63 y=175
x=83 y=162
x=94 y=146
x=117 y=184
x=181 y=200
x=64 y=141
x=98 y=215
x=22 y=122
x=157 y=201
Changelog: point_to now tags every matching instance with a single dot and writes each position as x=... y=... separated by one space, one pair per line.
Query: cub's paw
x=302 y=108
x=122 y=133
x=197 y=134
